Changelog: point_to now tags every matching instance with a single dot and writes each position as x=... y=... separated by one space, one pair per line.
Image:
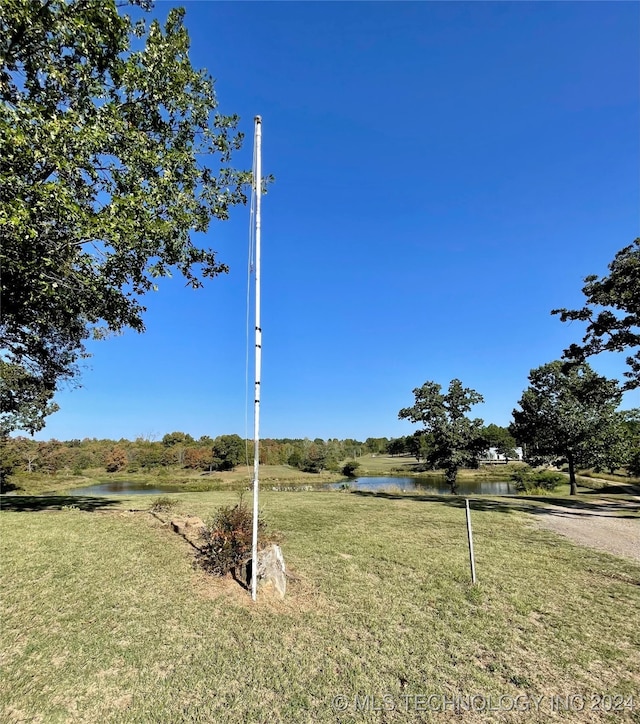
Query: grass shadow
x=34 y=503
x=538 y=505
x=615 y=489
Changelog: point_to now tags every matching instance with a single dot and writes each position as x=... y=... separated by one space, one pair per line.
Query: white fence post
x=470 y=538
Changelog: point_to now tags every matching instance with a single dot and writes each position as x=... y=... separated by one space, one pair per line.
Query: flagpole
x=257 y=187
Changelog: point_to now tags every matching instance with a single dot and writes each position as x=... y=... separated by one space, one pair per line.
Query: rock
x=193 y=523
x=190 y=528
x=271 y=569
x=178 y=525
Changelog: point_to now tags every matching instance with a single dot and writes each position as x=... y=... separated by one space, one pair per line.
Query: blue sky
x=446 y=174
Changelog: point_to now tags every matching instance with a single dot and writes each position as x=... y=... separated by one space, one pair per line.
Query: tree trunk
x=451 y=476
x=572 y=475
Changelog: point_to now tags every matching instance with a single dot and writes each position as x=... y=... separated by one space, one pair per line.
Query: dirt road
x=605 y=524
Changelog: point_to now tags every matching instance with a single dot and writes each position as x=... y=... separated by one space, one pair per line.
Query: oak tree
x=566 y=415
x=612 y=311
x=112 y=157
x=455 y=440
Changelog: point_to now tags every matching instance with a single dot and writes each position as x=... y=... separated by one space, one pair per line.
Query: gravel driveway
x=608 y=525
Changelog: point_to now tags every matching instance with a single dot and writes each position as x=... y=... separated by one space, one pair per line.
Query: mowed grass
x=106 y=619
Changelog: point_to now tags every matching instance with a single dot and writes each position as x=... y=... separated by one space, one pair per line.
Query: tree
x=632 y=425
x=116 y=460
x=198 y=458
x=566 y=415
x=615 y=450
x=9 y=461
x=228 y=451
x=177 y=438
x=147 y=454
x=501 y=439
x=616 y=327
x=106 y=156
x=315 y=459
x=26 y=451
x=376 y=445
x=419 y=445
x=455 y=439
x=350 y=468
x=296 y=458
x=397 y=446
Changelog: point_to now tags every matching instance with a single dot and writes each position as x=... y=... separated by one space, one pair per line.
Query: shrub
x=333 y=466
x=349 y=469
x=163 y=504
x=227 y=538
x=536 y=481
x=202 y=486
x=535 y=490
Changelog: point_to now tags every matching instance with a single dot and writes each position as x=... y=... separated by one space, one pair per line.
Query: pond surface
x=435 y=484
x=123 y=487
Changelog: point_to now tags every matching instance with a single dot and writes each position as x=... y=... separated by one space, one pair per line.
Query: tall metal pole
x=257 y=187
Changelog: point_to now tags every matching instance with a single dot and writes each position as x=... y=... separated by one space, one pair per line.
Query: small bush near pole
x=227 y=539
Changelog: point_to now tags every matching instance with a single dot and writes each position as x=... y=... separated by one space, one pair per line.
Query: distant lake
x=435 y=484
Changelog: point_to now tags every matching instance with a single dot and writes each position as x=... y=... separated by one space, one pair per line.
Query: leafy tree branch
x=112 y=156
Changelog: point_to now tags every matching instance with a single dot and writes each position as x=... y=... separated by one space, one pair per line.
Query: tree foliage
x=116 y=460
x=111 y=158
x=455 y=440
x=228 y=451
x=529 y=481
x=501 y=439
x=176 y=438
x=618 y=440
x=612 y=312
x=566 y=415
x=350 y=468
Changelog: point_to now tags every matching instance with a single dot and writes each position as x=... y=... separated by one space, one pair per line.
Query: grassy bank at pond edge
x=105 y=617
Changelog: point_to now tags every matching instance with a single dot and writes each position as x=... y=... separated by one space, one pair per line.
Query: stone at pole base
x=271 y=569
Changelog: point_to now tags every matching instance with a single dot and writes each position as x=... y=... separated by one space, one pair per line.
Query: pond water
x=436 y=484
x=124 y=487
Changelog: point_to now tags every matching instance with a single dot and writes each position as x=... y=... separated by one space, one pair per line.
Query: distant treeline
x=178 y=449
x=181 y=450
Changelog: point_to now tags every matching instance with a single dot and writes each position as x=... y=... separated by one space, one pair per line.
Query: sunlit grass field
x=105 y=618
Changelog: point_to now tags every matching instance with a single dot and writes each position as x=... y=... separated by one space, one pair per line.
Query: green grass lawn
x=106 y=619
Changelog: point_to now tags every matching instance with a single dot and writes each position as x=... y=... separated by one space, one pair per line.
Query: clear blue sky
x=447 y=173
